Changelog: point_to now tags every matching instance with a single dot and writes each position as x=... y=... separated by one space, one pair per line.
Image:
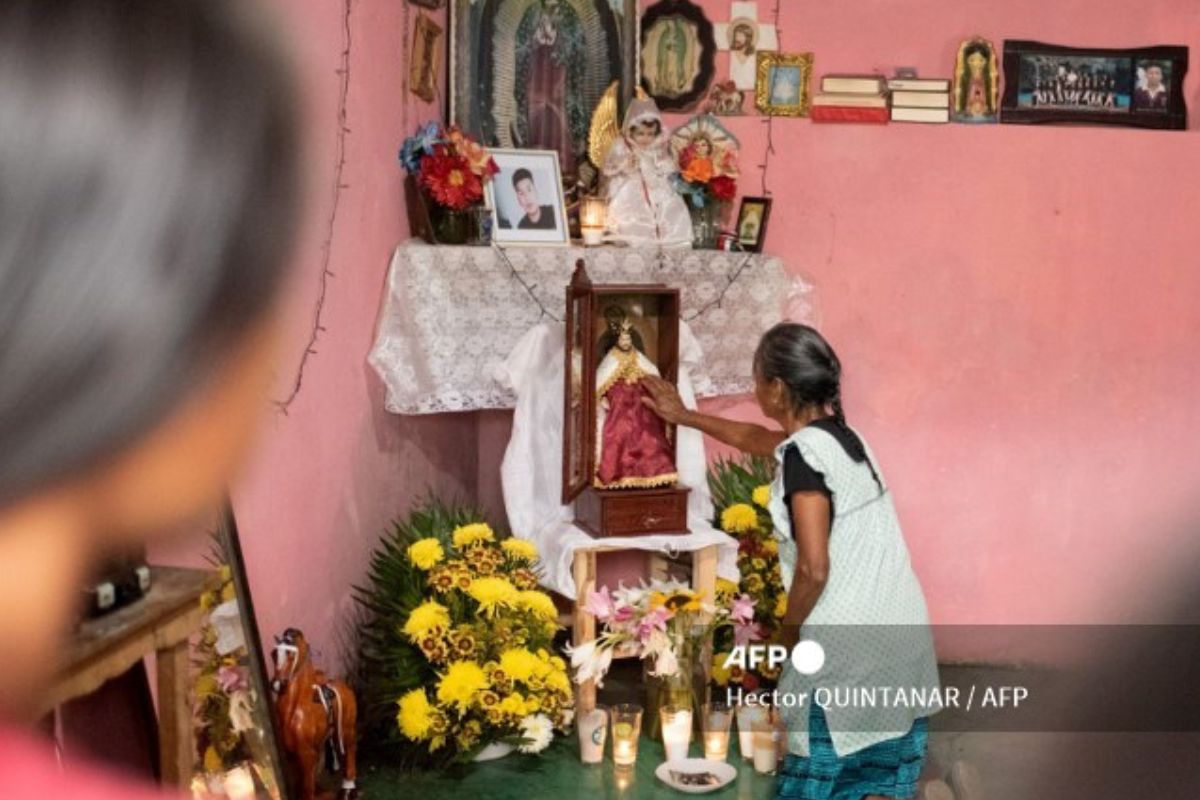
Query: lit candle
x=717 y=718
x=745 y=723
x=623 y=779
x=238 y=784
x=766 y=754
x=592 y=214
x=676 y=731
x=626 y=726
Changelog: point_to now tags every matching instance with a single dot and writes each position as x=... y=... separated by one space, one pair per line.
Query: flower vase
x=451 y=226
x=676 y=690
x=494 y=751
x=706 y=224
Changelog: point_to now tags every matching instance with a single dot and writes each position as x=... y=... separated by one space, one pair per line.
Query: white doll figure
x=643 y=207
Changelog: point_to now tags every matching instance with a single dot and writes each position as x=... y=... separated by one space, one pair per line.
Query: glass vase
x=677 y=690
x=706 y=225
x=452 y=226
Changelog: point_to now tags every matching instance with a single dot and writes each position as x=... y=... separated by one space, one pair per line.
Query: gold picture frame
x=782 y=85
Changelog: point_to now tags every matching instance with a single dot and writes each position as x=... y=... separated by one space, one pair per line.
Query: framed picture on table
x=752 y=223
x=1049 y=84
x=422 y=71
x=526 y=198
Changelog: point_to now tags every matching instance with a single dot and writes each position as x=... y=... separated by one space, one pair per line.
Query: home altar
x=451 y=315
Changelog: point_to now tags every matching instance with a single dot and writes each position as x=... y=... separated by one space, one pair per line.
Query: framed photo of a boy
x=526 y=199
x=752 y=223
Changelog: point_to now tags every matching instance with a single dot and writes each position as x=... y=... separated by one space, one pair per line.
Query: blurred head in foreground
x=147 y=200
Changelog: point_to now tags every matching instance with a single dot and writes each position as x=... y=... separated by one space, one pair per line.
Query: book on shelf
x=919 y=84
x=854 y=84
x=909 y=99
x=849 y=114
x=849 y=100
x=926 y=115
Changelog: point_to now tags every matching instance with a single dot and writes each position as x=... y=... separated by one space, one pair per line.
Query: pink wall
x=1014 y=306
x=327 y=477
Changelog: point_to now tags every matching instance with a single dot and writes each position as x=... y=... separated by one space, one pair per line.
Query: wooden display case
x=619 y=462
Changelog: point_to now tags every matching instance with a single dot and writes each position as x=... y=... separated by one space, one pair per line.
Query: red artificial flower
x=750 y=682
x=723 y=187
x=450 y=180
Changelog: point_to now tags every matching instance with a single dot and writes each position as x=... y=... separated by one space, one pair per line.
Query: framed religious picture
x=1141 y=87
x=976 y=82
x=752 y=223
x=528 y=74
x=526 y=198
x=678 y=50
x=422 y=70
x=782 y=87
x=725 y=100
x=743 y=36
x=619 y=457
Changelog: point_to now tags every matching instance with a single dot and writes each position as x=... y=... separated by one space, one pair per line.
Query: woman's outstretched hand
x=664 y=399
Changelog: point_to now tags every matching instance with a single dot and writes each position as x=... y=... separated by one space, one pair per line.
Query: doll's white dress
x=643 y=208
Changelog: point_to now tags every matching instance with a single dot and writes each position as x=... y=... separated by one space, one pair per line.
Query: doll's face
x=644 y=134
x=625 y=341
x=703 y=147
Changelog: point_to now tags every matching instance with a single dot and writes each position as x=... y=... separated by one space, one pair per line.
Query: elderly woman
x=147 y=199
x=852 y=589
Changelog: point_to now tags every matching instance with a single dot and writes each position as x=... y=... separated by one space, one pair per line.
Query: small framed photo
x=526 y=199
x=427 y=3
x=422 y=70
x=752 y=223
x=1140 y=87
x=782 y=86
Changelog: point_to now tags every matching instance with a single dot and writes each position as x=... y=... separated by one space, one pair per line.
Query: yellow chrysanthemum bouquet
x=457 y=651
x=741 y=492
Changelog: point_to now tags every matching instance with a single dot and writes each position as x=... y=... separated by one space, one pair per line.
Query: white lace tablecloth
x=451 y=315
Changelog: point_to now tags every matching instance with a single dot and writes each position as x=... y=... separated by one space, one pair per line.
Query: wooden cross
x=751 y=36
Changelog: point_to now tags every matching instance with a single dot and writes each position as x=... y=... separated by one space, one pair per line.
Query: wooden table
x=160 y=623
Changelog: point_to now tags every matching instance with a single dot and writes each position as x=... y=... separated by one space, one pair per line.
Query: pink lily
x=600 y=604
x=742 y=609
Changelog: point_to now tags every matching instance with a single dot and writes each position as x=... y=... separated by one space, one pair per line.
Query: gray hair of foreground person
x=148 y=195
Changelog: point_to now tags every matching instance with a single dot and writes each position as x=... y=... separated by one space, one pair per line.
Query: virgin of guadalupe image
x=632 y=448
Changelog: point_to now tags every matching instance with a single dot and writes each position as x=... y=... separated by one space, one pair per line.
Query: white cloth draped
x=531 y=472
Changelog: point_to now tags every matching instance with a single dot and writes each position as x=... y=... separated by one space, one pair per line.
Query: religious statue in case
x=619 y=456
x=976 y=82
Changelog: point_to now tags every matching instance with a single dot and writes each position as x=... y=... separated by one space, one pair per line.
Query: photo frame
x=782 y=88
x=677 y=54
x=426 y=49
x=526 y=199
x=1054 y=84
x=433 y=4
x=576 y=49
x=752 y=218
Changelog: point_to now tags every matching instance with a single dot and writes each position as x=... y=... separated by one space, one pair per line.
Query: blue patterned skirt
x=889 y=768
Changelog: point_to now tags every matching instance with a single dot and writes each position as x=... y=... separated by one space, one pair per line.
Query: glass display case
x=619 y=457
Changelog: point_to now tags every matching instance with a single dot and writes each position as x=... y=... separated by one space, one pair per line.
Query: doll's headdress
x=641 y=109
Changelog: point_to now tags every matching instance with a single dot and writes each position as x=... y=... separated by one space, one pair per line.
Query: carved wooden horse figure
x=316 y=717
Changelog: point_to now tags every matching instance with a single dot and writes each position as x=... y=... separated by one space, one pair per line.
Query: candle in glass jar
x=765 y=752
x=626 y=726
x=676 y=731
x=745 y=724
x=238 y=784
x=592 y=725
x=717 y=719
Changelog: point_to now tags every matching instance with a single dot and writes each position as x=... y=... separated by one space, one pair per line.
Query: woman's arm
x=754 y=439
x=810 y=522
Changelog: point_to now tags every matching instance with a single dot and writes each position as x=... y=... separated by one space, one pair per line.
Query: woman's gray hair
x=148 y=194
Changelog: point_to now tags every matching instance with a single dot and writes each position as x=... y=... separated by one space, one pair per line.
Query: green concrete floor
x=556 y=774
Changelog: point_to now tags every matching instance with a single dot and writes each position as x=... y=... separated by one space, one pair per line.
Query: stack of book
x=920 y=99
x=851 y=98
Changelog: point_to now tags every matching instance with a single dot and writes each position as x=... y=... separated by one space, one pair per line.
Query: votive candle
x=593 y=729
x=745 y=724
x=676 y=731
x=717 y=719
x=766 y=754
x=626 y=727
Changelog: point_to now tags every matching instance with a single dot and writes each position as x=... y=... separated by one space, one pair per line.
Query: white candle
x=676 y=732
x=238 y=784
x=592 y=729
x=745 y=724
x=716 y=745
x=624 y=752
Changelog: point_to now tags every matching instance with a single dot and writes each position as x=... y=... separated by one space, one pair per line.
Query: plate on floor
x=686 y=775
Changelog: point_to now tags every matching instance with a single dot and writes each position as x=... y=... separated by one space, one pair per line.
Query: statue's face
x=625 y=342
x=643 y=135
x=703 y=147
x=976 y=61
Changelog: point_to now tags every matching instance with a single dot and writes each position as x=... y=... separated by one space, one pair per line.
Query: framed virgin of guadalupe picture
x=527 y=74
x=677 y=54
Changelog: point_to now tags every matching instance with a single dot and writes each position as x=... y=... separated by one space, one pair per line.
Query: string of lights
x=529 y=288
x=732 y=279
x=310 y=347
x=770 y=118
